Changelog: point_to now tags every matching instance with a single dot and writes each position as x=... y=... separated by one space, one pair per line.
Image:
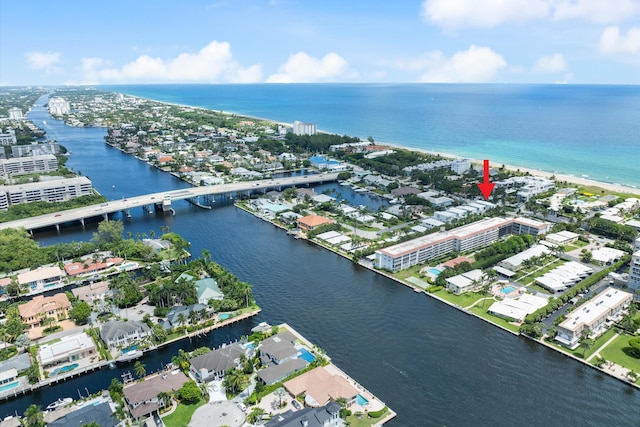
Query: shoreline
x=459 y=308
x=559 y=176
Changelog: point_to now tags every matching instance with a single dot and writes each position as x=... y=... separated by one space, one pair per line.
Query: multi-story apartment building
x=590 y=319
x=56 y=190
x=301 y=128
x=27 y=165
x=461 y=239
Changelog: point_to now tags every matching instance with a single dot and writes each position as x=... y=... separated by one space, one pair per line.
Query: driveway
x=218 y=414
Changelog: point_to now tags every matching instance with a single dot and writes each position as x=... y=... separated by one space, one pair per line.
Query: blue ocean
x=581 y=130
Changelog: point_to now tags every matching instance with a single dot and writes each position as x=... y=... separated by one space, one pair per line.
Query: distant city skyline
x=294 y=41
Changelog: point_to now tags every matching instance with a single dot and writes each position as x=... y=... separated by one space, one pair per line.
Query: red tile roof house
x=311 y=222
x=142 y=398
x=40 y=307
x=88 y=266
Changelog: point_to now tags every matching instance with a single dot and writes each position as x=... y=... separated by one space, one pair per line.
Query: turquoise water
x=361 y=400
x=434 y=271
x=64 y=369
x=573 y=129
x=304 y=354
x=9 y=386
x=224 y=316
x=507 y=289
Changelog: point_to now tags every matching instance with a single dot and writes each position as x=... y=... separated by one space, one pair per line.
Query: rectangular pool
x=507 y=289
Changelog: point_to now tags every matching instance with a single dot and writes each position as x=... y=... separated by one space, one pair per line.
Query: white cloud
x=303 y=68
x=613 y=41
x=482 y=13
x=477 y=64
x=214 y=63
x=551 y=64
x=43 y=60
x=601 y=11
x=491 y=13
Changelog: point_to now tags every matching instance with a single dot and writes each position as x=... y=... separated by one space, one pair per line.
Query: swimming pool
x=434 y=271
x=64 y=369
x=306 y=355
x=224 y=316
x=361 y=400
x=9 y=386
x=508 y=289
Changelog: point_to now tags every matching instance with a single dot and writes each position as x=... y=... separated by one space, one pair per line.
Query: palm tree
x=181 y=319
x=280 y=393
x=139 y=369
x=232 y=381
x=206 y=255
x=165 y=398
x=33 y=417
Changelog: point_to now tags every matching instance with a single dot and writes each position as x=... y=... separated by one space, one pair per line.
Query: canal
x=432 y=364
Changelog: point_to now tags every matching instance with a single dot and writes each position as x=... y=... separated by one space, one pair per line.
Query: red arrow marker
x=486 y=187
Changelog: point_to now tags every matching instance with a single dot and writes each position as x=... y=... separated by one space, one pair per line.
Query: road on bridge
x=103 y=209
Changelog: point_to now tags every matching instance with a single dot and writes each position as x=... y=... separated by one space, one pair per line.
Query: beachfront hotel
x=593 y=316
x=461 y=239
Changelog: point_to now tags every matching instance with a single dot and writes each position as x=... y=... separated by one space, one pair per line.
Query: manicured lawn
x=411 y=271
x=482 y=312
x=364 y=420
x=464 y=300
x=616 y=353
x=182 y=415
x=599 y=342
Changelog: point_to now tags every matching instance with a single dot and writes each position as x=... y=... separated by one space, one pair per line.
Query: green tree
x=81 y=312
x=634 y=343
x=159 y=333
x=109 y=234
x=189 y=392
x=585 y=344
x=232 y=381
x=139 y=369
x=33 y=417
x=255 y=415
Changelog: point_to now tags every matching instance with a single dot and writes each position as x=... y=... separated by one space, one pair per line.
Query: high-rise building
x=301 y=128
x=58 y=106
x=634 y=271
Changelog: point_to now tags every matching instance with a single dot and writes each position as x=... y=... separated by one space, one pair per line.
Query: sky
x=73 y=42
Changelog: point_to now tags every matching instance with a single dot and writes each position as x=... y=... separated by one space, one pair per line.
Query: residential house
x=175 y=315
x=118 y=333
x=41 y=278
x=278 y=348
x=324 y=416
x=142 y=397
x=464 y=282
x=33 y=312
x=320 y=386
x=311 y=222
x=213 y=365
x=100 y=413
x=70 y=348
x=208 y=290
x=92 y=292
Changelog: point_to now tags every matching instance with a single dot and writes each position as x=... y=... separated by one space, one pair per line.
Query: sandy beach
x=579 y=181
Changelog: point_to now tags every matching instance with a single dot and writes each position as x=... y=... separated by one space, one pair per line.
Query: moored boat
x=130 y=356
x=59 y=403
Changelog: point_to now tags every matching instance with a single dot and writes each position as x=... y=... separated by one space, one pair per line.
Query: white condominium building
x=56 y=190
x=15 y=114
x=27 y=165
x=58 y=106
x=8 y=137
x=591 y=318
x=634 y=271
x=301 y=128
x=461 y=239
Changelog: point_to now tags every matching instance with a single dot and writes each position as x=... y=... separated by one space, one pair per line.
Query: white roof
x=606 y=255
x=328 y=235
x=533 y=251
x=586 y=314
x=69 y=344
x=338 y=239
x=41 y=273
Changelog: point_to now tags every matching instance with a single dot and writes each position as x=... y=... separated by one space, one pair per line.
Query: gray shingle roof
x=218 y=360
x=315 y=417
x=117 y=328
x=100 y=413
x=19 y=361
x=274 y=373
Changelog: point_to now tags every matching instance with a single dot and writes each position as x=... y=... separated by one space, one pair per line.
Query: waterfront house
x=10 y=370
x=117 y=333
x=91 y=266
x=68 y=349
x=278 y=349
x=41 y=278
x=92 y=292
x=174 y=315
x=320 y=386
x=213 y=365
x=311 y=222
x=33 y=312
x=100 y=413
x=324 y=416
x=208 y=290
x=274 y=373
x=142 y=397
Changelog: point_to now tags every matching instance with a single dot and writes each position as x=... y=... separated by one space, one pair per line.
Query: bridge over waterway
x=163 y=200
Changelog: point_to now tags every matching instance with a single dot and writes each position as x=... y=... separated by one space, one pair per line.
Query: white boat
x=262 y=327
x=59 y=403
x=129 y=356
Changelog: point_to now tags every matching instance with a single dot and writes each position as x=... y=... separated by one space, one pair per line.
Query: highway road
x=103 y=209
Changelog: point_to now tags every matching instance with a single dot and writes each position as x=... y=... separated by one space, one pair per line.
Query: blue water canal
x=432 y=364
